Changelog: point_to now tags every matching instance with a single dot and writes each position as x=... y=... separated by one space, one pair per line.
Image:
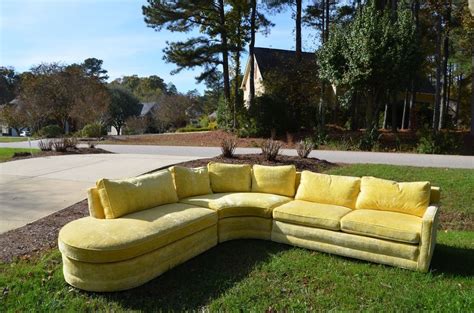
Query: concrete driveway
x=33 y=188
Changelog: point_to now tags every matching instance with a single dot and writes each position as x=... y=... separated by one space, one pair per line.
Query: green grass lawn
x=12 y=139
x=254 y=275
x=7 y=153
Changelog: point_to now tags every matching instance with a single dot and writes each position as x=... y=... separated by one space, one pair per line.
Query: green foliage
x=94 y=130
x=50 y=131
x=9 y=81
x=191 y=129
x=146 y=89
x=122 y=106
x=441 y=143
x=369 y=139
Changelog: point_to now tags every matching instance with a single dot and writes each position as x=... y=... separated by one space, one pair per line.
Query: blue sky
x=68 y=31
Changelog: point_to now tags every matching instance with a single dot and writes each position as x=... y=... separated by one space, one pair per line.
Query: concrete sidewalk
x=33 y=188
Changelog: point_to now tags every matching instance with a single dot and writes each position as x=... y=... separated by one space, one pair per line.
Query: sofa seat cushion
x=239 y=203
x=383 y=224
x=312 y=214
x=110 y=240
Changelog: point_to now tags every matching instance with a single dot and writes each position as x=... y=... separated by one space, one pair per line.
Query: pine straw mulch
x=32 y=239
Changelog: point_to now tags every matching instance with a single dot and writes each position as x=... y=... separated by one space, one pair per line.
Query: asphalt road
x=350 y=157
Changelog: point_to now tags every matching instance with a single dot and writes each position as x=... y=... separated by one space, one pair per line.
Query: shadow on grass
x=452 y=261
x=196 y=282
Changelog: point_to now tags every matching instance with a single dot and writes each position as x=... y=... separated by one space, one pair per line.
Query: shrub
x=228 y=147
x=51 y=131
x=91 y=144
x=212 y=125
x=369 y=139
x=204 y=121
x=71 y=142
x=60 y=144
x=304 y=148
x=94 y=130
x=270 y=149
x=190 y=129
x=440 y=143
x=45 y=145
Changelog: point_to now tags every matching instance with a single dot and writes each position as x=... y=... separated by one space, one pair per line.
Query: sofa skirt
x=244 y=227
x=348 y=245
x=122 y=275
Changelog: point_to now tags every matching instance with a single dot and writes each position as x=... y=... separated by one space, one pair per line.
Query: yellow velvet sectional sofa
x=140 y=227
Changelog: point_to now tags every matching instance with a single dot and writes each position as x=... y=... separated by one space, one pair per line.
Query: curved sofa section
x=104 y=255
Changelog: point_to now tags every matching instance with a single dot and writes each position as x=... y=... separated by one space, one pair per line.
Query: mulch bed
x=30 y=240
x=69 y=151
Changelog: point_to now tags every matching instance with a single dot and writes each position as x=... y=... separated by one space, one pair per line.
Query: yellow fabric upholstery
x=230 y=177
x=244 y=228
x=311 y=214
x=191 y=181
x=95 y=207
x=297 y=180
x=386 y=195
x=97 y=241
x=120 y=197
x=428 y=237
x=239 y=203
x=352 y=241
x=383 y=224
x=115 y=276
x=365 y=248
x=278 y=180
x=328 y=189
x=435 y=195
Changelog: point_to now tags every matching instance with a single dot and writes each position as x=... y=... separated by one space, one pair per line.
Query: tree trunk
x=385 y=116
x=237 y=71
x=405 y=109
x=458 y=102
x=472 y=90
x=394 y=113
x=437 y=103
x=298 y=30
x=225 y=52
x=444 y=105
x=251 y=52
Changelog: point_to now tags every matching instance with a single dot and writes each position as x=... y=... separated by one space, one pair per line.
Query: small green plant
x=304 y=148
x=369 y=140
x=228 y=147
x=320 y=138
x=51 y=131
x=94 y=130
x=270 y=149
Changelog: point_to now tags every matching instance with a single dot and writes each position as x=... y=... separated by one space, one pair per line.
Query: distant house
x=268 y=60
x=146 y=112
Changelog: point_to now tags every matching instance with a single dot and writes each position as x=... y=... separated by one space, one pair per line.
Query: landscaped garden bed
x=261 y=275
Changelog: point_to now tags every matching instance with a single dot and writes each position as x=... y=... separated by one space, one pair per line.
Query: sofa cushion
x=230 y=177
x=279 y=180
x=311 y=214
x=386 y=195
x=99 y=240
x=328 y=189
x=239 y=203
x=124 y=196
x=191 y=181
x=383 y=224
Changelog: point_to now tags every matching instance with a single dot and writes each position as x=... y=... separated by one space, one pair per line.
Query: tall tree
x=123 y=105
x=183 y=16
x=9 y=81
x=93 y=68
x=253 y=29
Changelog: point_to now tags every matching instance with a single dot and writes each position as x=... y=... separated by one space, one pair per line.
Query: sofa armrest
x=95 y=206
x=429 y=230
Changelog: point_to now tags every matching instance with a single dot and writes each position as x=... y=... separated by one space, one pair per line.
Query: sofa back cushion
x=387 y=195
x=191 y=181
x=328 y=189
x=124 y=196
x=278 y=180
x=230 y=177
